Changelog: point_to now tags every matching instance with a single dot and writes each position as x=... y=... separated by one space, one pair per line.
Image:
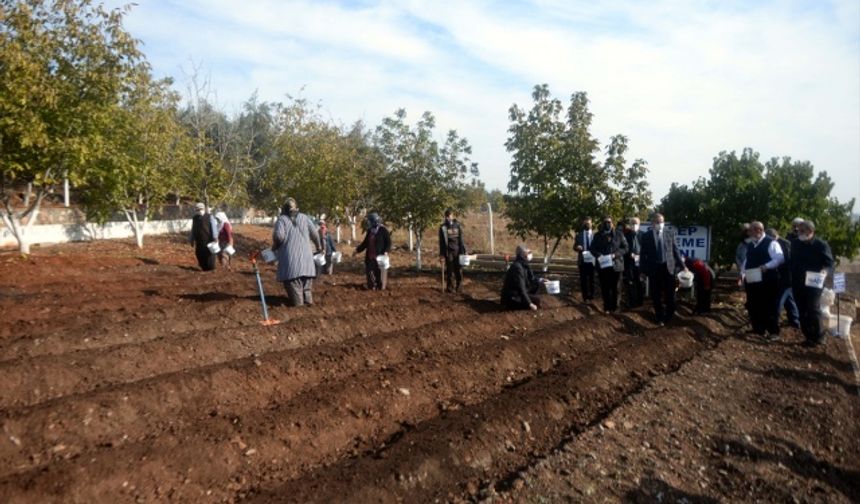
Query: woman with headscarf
x=377 y=242
x=609 y=247
x=296 y=267
x=519 y=292
x=328 y=245
x=225 y=238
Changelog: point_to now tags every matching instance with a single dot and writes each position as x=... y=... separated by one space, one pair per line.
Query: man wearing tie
x=581 y=244
x=660 y=260
x=761 y=280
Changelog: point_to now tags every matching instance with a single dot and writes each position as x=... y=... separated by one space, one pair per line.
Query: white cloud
x=683 y=80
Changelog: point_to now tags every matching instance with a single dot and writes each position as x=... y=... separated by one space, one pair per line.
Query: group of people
x=206 y=229
x=788 y=273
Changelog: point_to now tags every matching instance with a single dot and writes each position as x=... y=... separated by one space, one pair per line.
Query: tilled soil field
x=129 y=376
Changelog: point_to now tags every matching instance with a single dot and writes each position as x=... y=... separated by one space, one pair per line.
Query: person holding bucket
x=296 y=267
x=811 y=259
x=376 y=246
x=204 y=237
x=609 y=248
x=585 y=261
x=519 y=291
x=761 y=281
x=451 y=247
x=330 y=248
x=660 y=261
x=225 y=240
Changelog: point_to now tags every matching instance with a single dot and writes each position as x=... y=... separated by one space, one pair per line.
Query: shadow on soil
x=802 y=375
x=656 y=490
x=801 y=462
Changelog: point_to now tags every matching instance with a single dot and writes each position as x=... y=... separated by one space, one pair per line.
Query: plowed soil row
x=127 y=375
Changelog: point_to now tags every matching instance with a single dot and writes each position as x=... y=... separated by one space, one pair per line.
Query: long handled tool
x=266 y=320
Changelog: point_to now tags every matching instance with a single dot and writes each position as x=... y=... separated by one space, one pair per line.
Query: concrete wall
x=61 y=233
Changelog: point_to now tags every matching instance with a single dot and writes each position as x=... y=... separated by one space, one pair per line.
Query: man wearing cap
x=761 y=281
x=203 y=232
x=451 y=247
x=810 y=256
x=291 y=241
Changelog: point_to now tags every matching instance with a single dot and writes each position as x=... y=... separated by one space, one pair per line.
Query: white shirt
x=775 y=252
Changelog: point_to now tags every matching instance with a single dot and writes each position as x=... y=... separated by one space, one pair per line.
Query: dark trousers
x=453 y=271
x=635 y=290
x=762 y=298
x=809 y=305
x=586 y=280
x=205 y=258
x=609 y=288
x=662 y=285
x=377 y=278
x=703 y=299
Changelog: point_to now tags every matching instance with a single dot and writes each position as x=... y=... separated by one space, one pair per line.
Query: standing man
x=795 y=224
x=451 y=246
x=660 y=261
x=290 y=241
x=635 y=289
x=203 y=232
x=609 y=248
x=328 y=246
x=377 y=242
x=785 y=298
x=809 y=255
x=762 y=286
x=582 y=243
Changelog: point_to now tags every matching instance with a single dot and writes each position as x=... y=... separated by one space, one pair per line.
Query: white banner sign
x=839 y=283
x=693 y=241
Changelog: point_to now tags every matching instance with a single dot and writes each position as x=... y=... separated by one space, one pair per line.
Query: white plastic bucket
x=383 y=261
x=752 y=275
x=685 y=278
x=319 y=259
x=213 y=247
x=337 y=257
x=465 y=260
x=268 y=256
x=605 y=261
x=842 y=326
x=553 y=287
x=229 y=250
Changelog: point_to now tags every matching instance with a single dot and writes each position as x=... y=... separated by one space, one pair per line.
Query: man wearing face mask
x=761 y=281
x=609 y=247
x=377 y=242
x=204 y=230
x=795 y=224
x=451 y=247
x=635 y=289
x=519 y=291
x=809 y=256
x=582 y=243
x=660 y=261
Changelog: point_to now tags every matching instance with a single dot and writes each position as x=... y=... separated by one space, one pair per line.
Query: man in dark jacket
x=786 y=297
x=810 y=257
x=451 y=247
x=761 y=281
x=584 y=239
x=203 y=228
x=660 y=261
x=377 y=242
x=521 y=286
x=635 y=290
x=609 y=248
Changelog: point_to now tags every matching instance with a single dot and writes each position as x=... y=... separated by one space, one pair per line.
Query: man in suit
x=584 y=239
x=451 y=247
x=762 y=286
x=660 y=260
x=635 y=289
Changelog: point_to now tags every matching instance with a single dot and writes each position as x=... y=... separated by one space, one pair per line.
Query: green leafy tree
x=742 y=188
x=149 y=148
x=420 y=177
x=63 y=67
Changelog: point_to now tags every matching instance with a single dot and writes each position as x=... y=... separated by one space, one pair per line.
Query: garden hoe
x=266 y=320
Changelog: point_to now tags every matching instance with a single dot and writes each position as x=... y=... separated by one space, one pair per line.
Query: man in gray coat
x=296 y=267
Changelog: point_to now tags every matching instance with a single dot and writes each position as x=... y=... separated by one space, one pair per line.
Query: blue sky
x=683 y=79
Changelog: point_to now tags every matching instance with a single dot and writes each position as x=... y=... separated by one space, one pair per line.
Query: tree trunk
x=551 y=254
x=545 y=253
x=418 y=251
x=14 y=220
x=337 y=233
x=411 y=243
x=352 y=221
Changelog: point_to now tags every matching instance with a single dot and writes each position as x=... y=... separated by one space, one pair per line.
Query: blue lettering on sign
x=687 y=231
x=688 y=242
x=700 y=242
